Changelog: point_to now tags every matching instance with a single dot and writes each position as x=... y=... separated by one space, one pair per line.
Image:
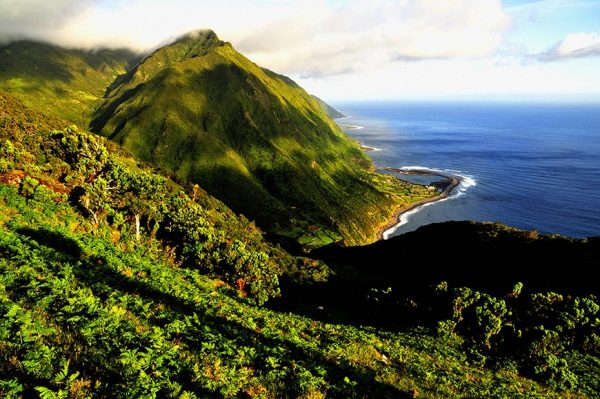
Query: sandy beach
x=449 y=184
x=366 y=148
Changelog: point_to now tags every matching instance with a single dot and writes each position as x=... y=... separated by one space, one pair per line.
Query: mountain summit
x=201 y=111
x=255 y=139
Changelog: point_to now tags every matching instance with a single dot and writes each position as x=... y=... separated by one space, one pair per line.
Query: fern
x=11 y=389
x=46 y=393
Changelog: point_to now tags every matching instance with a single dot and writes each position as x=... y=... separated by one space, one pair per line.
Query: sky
x=357 y=49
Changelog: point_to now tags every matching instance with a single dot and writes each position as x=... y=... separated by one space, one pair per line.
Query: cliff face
x=329 y=110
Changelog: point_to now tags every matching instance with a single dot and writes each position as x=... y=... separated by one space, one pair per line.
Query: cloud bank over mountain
x=308 y=38
x=364 y=34
x=38 y=19
x=400 y=47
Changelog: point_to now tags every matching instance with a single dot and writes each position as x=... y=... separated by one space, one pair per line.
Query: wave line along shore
x=450 y=183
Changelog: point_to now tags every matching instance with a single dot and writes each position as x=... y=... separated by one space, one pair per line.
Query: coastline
x=450 y=184
x=366 y=148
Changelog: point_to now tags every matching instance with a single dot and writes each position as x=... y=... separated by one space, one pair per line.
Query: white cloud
x=365 y=48
x=303 y=38
x=482 y=79
x=139 y=24
x=574 y=45
x=37 y=19
x=314 y=39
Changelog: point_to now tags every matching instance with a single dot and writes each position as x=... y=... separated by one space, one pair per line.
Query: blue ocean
x=531 y=166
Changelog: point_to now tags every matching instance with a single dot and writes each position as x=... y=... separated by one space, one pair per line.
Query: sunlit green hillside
x=253 y=138
x=116 y=282
x=68 y=83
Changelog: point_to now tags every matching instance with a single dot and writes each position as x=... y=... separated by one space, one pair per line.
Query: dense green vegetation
x=255 y=139
x=120 y=278
x=83 y=318
x=116 y=193
x=205 y=114
x=69 y=83
x=546 y=336
x=538 y=314
x=90 y=306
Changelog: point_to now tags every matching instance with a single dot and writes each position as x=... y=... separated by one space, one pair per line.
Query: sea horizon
x=529 y=165
x=533 y=99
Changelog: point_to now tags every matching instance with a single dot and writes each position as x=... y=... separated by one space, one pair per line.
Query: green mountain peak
x=255 y=139
x=118 y=281
x=202 y=37
x=206 y=114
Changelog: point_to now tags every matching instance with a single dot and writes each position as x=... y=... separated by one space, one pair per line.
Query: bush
x=536 y=332
x=478 y=318
x=207 y=248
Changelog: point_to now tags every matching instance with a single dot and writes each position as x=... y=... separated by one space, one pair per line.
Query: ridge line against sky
x=340 y=49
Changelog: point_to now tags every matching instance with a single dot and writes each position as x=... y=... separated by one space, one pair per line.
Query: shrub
x=207 y=248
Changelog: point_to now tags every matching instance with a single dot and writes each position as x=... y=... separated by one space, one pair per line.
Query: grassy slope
x=252 y=138
x=65 y=82
x=329 y=110
x=100 y=179
x=87 y=311
x=132 y=326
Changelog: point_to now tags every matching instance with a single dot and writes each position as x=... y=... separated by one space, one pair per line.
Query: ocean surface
x=531 y=166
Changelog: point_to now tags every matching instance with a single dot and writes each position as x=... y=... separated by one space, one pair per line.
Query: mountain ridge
x=61 y=81
x=117 y=281
x=252 y=137
x=329 y=110
x=204 y=113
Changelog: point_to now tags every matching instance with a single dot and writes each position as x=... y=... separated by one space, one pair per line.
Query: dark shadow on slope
x=54 y=240
x=107 y=111
x=367 y=384
x=33 y=59
x=93 y=272
x=389 y=283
